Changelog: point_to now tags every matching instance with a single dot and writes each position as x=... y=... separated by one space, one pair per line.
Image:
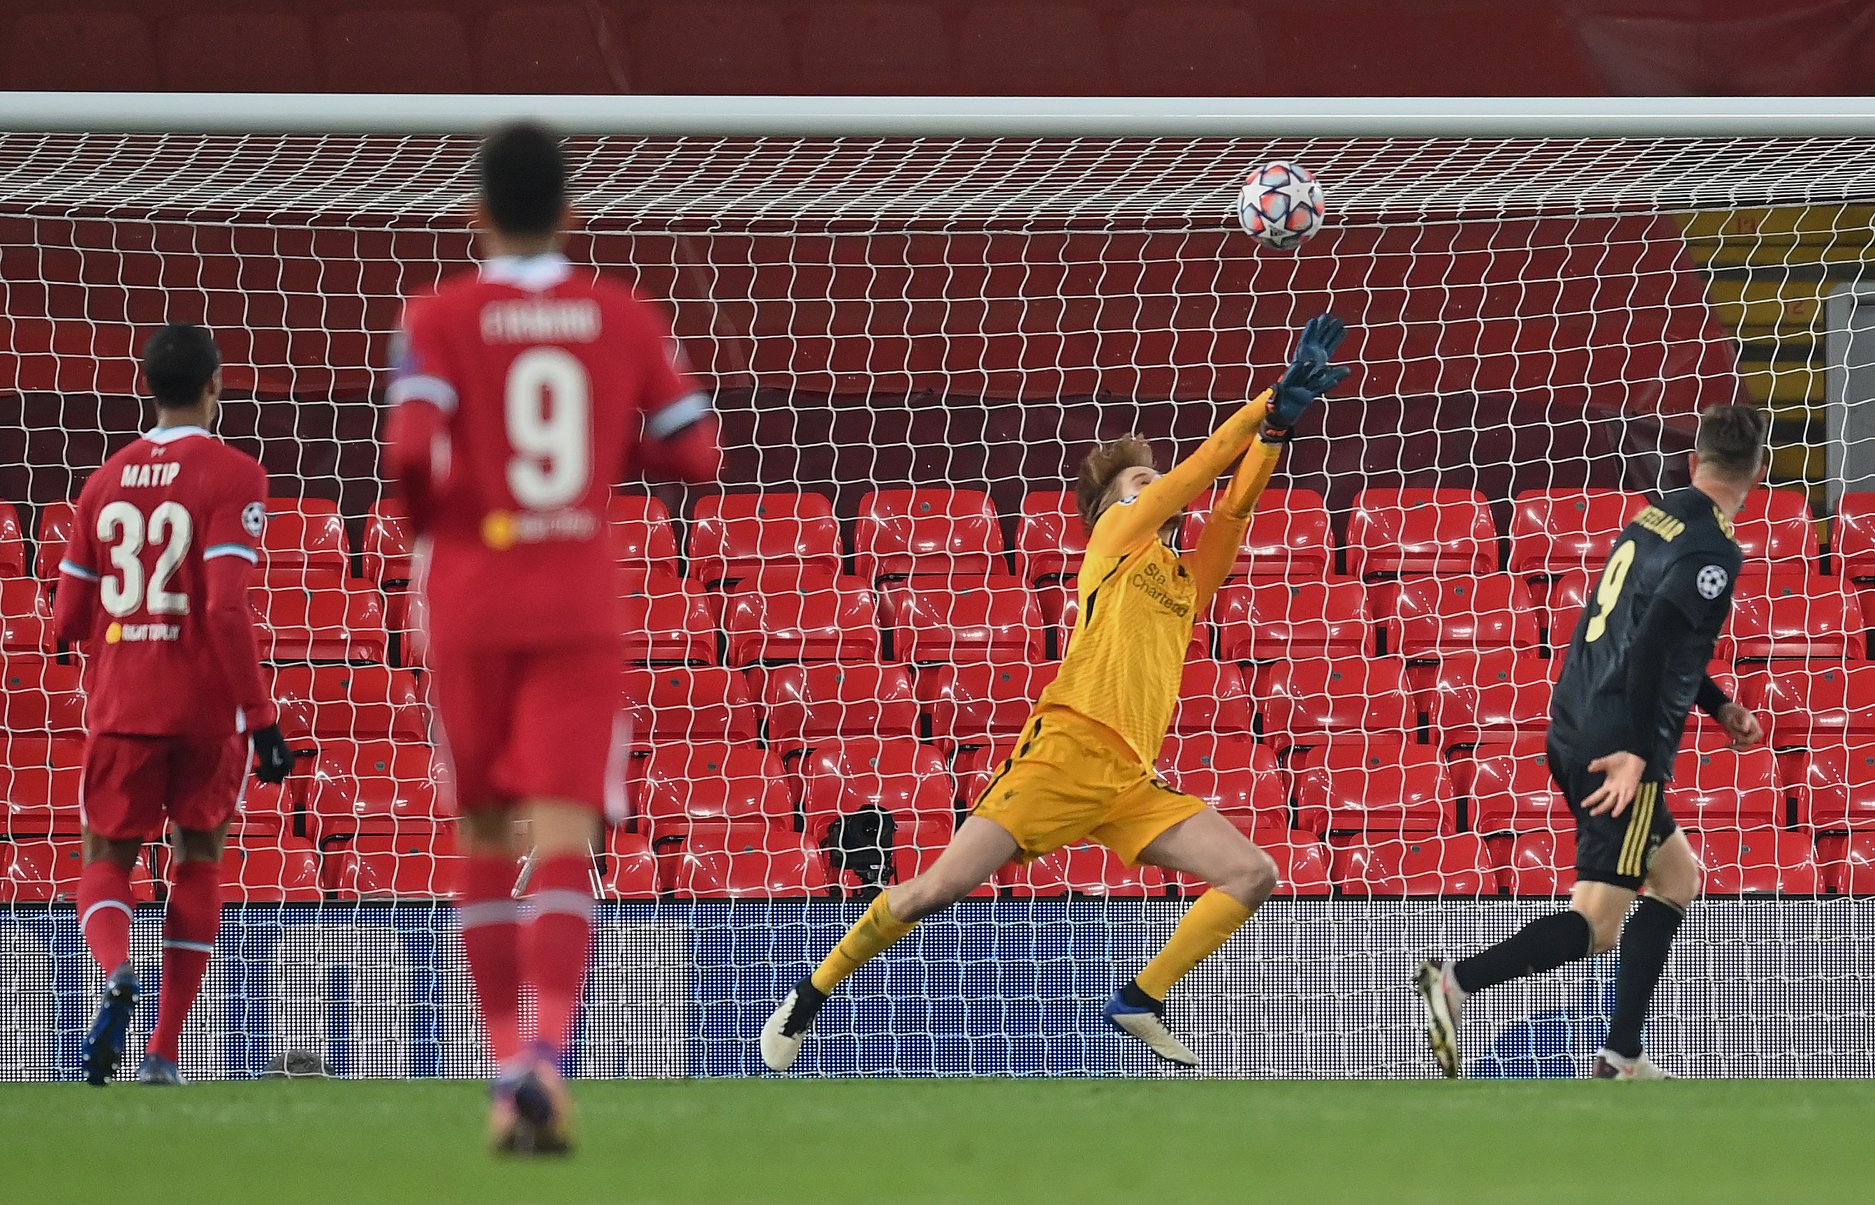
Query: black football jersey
x=1681 y=552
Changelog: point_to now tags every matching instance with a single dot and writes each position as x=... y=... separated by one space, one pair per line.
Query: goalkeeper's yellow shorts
x=1071 y=780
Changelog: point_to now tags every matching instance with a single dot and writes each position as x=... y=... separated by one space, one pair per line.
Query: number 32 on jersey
x=127 y=532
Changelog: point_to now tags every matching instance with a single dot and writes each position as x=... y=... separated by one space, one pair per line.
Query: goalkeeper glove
x=1310 y=374
x=275 y=758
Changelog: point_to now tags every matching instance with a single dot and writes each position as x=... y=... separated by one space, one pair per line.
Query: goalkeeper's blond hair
x=1093 y=487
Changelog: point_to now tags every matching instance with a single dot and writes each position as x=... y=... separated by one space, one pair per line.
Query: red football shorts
x=533 y=724
x=131 y=784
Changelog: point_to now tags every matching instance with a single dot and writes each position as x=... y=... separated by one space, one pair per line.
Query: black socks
x=1645 y=942
x=1542 y=945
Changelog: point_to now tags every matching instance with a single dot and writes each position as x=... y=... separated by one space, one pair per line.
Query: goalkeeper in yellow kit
x=1082 y=768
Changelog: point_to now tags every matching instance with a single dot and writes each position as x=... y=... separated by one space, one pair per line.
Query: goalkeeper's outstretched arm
x=1135 y=520
x=1210 y=563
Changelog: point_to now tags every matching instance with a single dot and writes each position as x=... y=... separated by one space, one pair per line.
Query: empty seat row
x=958 y=533
x=745 y=861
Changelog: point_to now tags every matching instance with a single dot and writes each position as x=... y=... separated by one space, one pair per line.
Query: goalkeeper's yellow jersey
x=1140 y=599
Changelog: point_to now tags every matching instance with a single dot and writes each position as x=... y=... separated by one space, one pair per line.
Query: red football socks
x=491 y=934
x=558 y=942
x=190 y=924
x=104 y=912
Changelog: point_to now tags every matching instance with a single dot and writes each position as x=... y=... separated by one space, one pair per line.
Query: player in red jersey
x=154 y=584
x=525 y=390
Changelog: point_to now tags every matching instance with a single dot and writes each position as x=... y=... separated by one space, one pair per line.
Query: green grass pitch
x=889 y=1141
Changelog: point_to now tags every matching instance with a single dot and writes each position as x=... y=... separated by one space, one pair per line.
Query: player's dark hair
x=523 y=172
x=1731 y=440
x=179 y=361
x=1099 y=469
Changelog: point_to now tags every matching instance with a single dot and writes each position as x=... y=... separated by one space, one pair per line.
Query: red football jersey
x=547 y=382
x=148 y=524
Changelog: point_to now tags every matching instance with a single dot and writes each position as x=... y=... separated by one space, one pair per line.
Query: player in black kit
x=1636 y=666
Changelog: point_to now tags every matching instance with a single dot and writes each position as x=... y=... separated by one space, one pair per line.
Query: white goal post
x=960 y=296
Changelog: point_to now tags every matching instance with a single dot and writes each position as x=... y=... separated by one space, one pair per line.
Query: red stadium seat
x=318 y=617
x=1051 y=540
x=1536 y=863
x=642 y=533
x=304 y=534
x=995 y=620
x=1212 y=697
x=1568 y=594
x=1360 y=790
x=1756 y=860
x=748 y=862
x=631 y=869
x=1848 y=862
x=40 y=697
x=731 y=49
x=36 y=871
x=896 y=774
x=677 y=702
x=1432 y=616
x=358 y=701
x=975 y=704
x=1796 y=618
x=13 y=561
x=40 y=785
x=25 y=617
x=1776 y=532
x=240 y=51
x=81 y=50
x=1313 y=702
x=1228 y=771
x=401 y=49
x=668 y=626
x=1809 y=705
x=975 y=767
x=1091 y=870
x=714 y=782
x=1457 y=865
x=805 y=703
x=1554 y=531
x=386 y=549
x=272 y=868
x=1492 y=696
x=379 y=786
x=1509 y=787
x=1266 y=621
x=55 y=531
x=1289 y=536
x=1726 y=788
x=742 y=535
x=832 y=620
x=1421 y=531
x=1837 y=790
x=545 y=49
x=928 y=532
x=1301 y=863
x=1852 y=537
x=416 y=862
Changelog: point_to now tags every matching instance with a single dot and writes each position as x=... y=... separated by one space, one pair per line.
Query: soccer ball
x=1281 y=205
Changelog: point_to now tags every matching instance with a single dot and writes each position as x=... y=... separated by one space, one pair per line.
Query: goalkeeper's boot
x=1445 y=1011
x=785 y=1031
x=103 y=1047
x=155 y=1069
x=1132 y=1011
x=1609 y=1065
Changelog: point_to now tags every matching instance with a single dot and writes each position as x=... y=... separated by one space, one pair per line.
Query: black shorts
x=1612 y=849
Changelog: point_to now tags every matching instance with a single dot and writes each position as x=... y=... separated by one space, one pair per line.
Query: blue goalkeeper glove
x=1310 y=373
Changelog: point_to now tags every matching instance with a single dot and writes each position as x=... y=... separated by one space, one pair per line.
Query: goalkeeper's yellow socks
x=1208 y=923
x=870 y=936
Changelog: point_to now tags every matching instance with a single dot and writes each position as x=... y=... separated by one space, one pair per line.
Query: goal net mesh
x=911 y=342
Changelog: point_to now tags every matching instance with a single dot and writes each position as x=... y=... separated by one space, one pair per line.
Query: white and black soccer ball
x=1281 y=206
